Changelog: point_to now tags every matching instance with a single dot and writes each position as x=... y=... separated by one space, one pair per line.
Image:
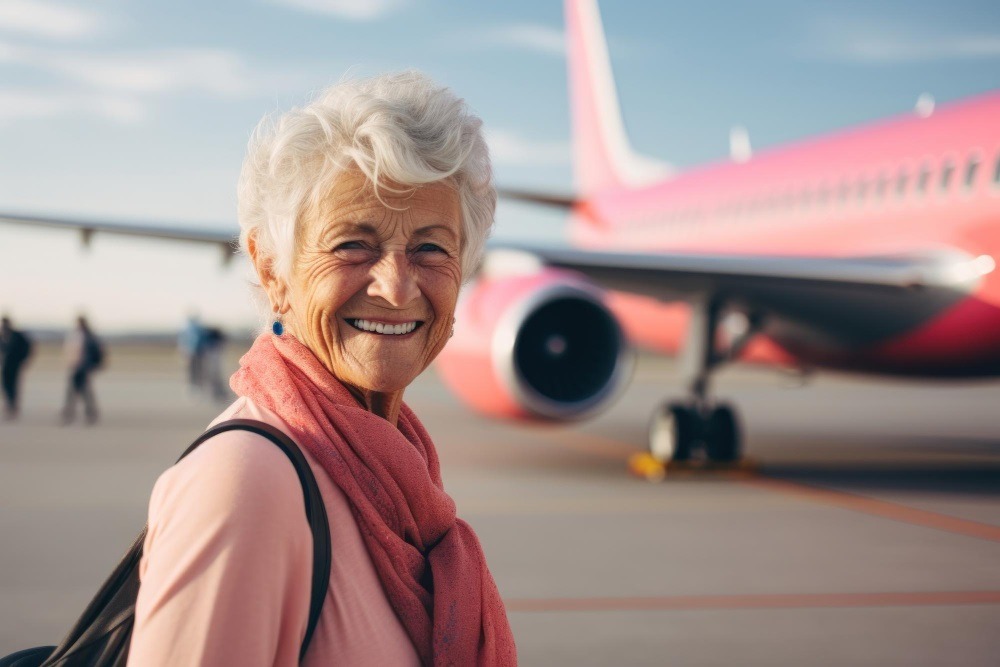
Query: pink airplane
x=870 y=250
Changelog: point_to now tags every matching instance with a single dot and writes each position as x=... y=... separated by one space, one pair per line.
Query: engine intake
x=543 y=346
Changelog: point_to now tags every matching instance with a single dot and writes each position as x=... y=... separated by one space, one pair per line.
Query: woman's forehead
x=352 y=200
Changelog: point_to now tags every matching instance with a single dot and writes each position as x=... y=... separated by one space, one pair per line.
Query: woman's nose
x=393 y=281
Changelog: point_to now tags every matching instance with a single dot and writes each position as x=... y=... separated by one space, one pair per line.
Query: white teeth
x=382 y=328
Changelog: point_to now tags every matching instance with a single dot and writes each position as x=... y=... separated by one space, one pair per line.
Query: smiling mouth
x=384 y=328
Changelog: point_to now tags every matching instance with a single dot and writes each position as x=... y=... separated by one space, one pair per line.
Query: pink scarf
x=429 y=561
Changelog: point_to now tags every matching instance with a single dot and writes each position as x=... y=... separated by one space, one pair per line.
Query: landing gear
x=722 y=435
x=680 y=429
x=676 y=431
x=671 y=433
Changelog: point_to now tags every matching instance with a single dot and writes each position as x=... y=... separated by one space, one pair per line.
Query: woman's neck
x=384 y=404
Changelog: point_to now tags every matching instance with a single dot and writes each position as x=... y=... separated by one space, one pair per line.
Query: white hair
x=400 y=127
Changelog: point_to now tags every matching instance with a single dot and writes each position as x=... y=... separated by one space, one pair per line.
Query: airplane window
x=901 y=181
x=970 y=171
x=923 y=178
x=790 y=200
x=996 y=172
x=880 y=186
x=947 y=169
x=862 y=190
x=845 y=191
x=821 y=196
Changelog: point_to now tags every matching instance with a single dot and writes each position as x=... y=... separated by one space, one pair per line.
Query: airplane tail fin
x=602 y=157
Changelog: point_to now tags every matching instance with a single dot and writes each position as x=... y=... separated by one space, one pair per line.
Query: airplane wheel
x=671 y=432
x=722 y=437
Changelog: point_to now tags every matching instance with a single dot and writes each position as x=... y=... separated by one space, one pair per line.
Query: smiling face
x=373 y=287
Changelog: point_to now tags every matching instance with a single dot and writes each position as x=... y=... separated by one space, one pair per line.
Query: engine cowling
x=538 y=346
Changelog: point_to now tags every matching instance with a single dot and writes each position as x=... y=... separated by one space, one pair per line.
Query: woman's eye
x=429 y=247
x=351 y=245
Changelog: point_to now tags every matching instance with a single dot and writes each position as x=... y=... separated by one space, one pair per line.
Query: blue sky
x=140 y=110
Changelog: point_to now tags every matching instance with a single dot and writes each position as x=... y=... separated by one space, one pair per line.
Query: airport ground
x=867 y=534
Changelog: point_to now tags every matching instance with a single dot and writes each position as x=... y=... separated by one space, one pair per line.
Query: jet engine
x=538 y=346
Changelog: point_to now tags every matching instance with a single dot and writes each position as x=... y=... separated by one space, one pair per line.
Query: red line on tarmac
x=609 y=448
x=595 y=445
x=759 y=601
x=879 y=508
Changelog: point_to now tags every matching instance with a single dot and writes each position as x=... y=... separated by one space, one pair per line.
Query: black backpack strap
x=315 y=509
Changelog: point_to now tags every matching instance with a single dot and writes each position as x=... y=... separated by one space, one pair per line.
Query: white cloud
x=166 y=71
x=9 y=53
x=45 y=19
x=523 y=36
x=903 y=50
x=34 y=104
x=352 y=10
x=531 y=36
x=878 y=44
x=169 y=71
x=508 y=147
x=125 y=86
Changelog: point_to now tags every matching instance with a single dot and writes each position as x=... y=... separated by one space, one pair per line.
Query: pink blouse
x=227 y=565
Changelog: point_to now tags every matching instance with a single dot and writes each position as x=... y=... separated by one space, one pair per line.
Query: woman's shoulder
x=237 y=473
x=227 y=543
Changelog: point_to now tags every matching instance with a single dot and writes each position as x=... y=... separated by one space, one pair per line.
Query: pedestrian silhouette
x=84 y=354
x=191 y=343
x=15 y=349
x=214 y=344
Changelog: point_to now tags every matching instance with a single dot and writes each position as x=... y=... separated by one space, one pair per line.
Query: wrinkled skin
x=359 y=258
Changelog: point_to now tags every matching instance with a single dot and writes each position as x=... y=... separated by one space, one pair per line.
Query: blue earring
x=277 y=327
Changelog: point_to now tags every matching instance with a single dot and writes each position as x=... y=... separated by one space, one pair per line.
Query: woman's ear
x=274 y=286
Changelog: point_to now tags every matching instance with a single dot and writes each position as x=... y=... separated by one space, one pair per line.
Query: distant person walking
x=192 y=345
x=15 y=348
x=85 y=354
x=214 y=342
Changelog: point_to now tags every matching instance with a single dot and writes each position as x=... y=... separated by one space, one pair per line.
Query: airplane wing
x=562 y=201
x=851 y=299
x=225 y=240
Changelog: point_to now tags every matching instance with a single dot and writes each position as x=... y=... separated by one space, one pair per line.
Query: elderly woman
x=361 y=212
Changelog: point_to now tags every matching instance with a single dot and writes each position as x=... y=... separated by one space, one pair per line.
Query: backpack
x=93 y=352
x=101 y=637
x=18 y=348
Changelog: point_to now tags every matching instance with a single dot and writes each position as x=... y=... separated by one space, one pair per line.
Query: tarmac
x=865 y=529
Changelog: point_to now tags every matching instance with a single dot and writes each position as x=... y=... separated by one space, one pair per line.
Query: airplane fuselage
x=902 y=186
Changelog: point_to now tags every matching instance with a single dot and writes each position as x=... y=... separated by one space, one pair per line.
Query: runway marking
x=604 y=506
x=611 y=448
x=595 y=445
x=755 y=601
x=879 y=508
